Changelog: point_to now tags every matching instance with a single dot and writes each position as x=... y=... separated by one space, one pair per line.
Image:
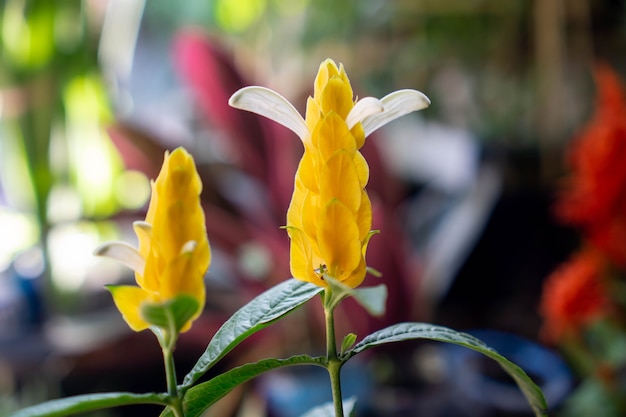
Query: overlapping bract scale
x=173 y=253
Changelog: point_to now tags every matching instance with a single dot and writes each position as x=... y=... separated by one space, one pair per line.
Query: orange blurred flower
x=594 y=197
x=574 y=295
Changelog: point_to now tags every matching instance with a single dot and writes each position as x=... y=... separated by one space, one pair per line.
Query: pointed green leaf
x=171 y=315
x=202 y=396
x=89 y=402
x=328 y=409
x=254 y=316
x=411 y=331
x=372 y=299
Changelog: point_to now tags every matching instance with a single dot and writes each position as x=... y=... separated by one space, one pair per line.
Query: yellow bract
x=174 y=252
x=330 y=215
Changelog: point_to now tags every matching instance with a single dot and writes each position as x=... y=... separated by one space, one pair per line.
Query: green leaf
x=410 y=331
x=328 y=409
x=202 y=396
x=171 y=315
x=372 y=299
x=254 y=316
x=89 y=402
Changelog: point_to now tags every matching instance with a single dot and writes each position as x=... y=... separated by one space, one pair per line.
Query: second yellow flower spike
x=173 y=253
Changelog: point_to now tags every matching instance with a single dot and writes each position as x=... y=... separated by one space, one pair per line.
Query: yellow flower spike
x=173 y=253
x=329 y=219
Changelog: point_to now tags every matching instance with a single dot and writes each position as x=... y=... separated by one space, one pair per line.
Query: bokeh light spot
x=238 y=15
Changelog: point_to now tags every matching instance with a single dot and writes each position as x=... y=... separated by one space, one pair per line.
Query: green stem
x=170 y=375
x=333 y=362
x=172 y=390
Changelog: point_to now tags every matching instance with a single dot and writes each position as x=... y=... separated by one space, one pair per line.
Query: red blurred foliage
x=574 y=295
x=594 y=196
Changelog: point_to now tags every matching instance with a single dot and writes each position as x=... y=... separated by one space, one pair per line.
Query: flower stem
x=170 y=375
x=334 y=364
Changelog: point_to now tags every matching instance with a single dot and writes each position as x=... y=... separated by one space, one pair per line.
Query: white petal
x=123 y=253
x=142 y=225
x=270 y=104
x=396 y=104
x=367 y=106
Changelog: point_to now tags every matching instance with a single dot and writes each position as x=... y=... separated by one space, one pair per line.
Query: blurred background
x=93 y=92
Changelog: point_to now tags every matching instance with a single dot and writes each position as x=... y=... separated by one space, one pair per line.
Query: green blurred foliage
x=53 y=110
x=491 y=48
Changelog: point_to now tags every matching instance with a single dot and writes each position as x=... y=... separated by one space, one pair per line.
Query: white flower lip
x=363 y=108
x=396 y=104
x=123 y=253
x=188 y=247
x=270 y=104
x=371 y=112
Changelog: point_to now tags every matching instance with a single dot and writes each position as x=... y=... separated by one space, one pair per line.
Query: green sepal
x=171 y=315
x=374 y=272
x=371 y=299
x=348 y=342
x=412 y=331
x=249 y=319
x=335 y=293
x=200 y=397
x=89 y=402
